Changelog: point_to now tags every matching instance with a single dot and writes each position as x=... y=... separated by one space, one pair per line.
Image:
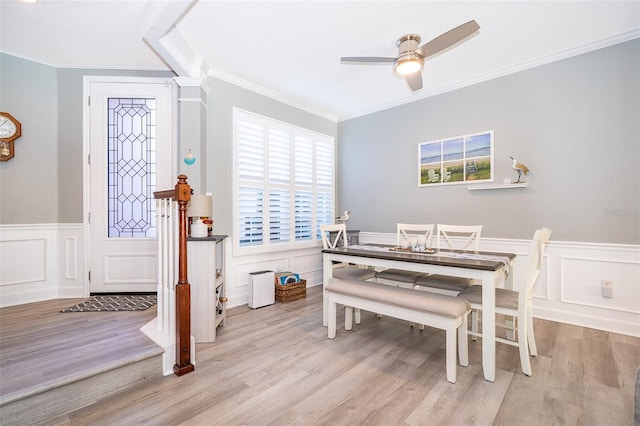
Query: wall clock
x=10 y=130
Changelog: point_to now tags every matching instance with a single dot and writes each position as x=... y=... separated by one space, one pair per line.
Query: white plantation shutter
x=279 y=180
x=279 y=157
x=250 y=216
x=279 y=216
x=304 y=162
x=324 y=165
x=284 y=184
x=250 y=144
x=324 y=184
x=303 y=188
x=304 y=215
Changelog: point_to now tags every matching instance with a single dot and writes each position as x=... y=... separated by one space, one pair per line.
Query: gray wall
x=222 y=98
x=29 y=184
x=43 y=182
x=575 y=123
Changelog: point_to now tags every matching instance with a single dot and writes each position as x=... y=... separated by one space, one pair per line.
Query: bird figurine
x=520 y=168
x=344 y=218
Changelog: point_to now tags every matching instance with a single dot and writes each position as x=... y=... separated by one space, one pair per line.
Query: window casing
x=284 y=184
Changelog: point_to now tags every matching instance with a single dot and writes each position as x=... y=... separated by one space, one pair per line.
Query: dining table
x=491 y=269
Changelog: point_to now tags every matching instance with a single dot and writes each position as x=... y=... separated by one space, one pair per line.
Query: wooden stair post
x=183 y=363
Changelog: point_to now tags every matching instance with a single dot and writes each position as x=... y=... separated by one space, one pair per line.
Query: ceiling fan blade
x=367 y=59
x=414 y=80
x=448 y=39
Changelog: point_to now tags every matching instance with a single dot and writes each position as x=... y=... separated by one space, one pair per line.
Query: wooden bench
x=434 y=310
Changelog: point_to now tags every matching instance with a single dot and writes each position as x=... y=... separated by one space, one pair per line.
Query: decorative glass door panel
x=131 y=155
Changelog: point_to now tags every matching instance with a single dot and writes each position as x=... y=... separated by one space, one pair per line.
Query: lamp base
x=199 y=229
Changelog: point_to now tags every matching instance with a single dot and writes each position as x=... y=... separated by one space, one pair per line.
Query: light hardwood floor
x=276 y=366
x=42 y=348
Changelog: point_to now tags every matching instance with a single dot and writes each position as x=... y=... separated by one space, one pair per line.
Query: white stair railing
x=162 y=329
x=167 y=260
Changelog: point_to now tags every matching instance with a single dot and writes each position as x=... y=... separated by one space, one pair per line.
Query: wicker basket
x=290 y=292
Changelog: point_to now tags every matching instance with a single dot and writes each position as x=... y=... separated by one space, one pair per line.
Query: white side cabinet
x=206 y=274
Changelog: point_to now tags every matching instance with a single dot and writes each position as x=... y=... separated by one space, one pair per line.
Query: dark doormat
x=113 y=303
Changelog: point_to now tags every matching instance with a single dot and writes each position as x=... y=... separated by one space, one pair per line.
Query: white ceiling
x=291 y=49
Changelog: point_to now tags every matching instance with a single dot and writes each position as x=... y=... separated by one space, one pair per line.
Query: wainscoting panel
x=568 y=290
x=40 y=262
x=589 y=273
x=23 y=262
x=127 y=268
x=71 y=258
x=306 y=262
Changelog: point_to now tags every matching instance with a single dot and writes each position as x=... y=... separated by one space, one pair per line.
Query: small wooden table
x=488 y=267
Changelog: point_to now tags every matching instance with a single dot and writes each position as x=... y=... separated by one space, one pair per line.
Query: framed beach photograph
x=460 y=159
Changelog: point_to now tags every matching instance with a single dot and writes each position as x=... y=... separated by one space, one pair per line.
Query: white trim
x=271 y=94
x=190 y=82
x=163 y=38
x=196 y=100
x=598 y=322
x=200 y=82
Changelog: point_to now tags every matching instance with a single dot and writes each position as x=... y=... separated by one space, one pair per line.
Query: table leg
x=489 y=281
x=509 y=320
x=327 y=273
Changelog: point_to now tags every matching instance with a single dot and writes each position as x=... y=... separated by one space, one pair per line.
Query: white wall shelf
x=499 y=186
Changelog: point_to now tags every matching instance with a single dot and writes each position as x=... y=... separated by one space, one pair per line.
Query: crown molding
x=270 y=94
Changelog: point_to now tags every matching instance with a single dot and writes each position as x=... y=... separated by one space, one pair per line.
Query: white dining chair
x=516 y=305
x=336 y=236
x=407 y=235
x=460 y=237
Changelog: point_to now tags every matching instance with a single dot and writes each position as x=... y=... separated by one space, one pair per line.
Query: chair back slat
x=407 y=231
x=536 y=256
x=332 y=235
x=470 y=235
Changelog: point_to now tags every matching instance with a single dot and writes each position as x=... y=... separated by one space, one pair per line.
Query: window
x=284 y=184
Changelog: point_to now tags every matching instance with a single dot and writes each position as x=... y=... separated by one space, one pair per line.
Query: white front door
x=130 y=155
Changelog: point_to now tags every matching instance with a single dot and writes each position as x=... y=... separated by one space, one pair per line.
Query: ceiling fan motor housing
x=408 y=42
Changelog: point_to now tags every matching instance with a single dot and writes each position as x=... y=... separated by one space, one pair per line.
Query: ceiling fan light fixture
x=408 y=64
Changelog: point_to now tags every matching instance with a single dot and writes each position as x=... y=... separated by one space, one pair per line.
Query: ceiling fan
x=410 y=60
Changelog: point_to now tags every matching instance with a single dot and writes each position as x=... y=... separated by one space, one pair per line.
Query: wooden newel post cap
x=183 y=190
